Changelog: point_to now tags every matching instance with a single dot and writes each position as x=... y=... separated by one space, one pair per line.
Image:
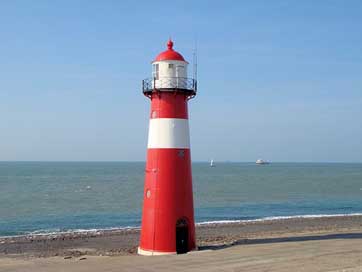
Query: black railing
x=182 y=84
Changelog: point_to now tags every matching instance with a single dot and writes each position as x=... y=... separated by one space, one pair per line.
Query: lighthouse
x=168 y=225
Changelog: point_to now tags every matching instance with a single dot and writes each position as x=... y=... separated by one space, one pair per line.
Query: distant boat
x=260 y=161
x=212 y=163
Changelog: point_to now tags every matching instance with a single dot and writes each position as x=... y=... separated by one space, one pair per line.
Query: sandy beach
x=301 y=244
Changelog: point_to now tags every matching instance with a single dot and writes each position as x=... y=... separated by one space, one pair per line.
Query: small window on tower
x=155 y=71
x=170 y=66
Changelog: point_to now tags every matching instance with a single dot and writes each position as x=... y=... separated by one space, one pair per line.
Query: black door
x=182 y=236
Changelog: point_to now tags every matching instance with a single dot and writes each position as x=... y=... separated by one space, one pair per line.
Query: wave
x=58 y=232
x=274 y=218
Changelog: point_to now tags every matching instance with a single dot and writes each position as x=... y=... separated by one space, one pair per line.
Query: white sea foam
x=273 y=218
x=87 y=231
x=54 y=232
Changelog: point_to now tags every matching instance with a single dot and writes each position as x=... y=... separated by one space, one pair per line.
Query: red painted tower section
x=168 y=225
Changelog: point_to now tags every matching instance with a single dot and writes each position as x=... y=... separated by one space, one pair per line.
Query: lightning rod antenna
x=195 y=61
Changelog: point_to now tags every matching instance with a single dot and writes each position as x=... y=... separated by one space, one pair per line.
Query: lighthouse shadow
x=284 y=240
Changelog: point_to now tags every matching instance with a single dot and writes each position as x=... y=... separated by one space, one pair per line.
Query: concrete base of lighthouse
x=144 y=252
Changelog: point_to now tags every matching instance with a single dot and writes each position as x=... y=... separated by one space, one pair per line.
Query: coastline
x=101 y=231
x=210 y=235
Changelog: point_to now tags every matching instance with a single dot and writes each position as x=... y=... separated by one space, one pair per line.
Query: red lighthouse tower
x=168 y=225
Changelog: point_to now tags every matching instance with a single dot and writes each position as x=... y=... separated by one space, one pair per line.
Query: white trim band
x=169 y=133
x=144 y=252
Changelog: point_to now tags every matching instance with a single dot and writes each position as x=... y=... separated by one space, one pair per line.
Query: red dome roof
x=169 y=54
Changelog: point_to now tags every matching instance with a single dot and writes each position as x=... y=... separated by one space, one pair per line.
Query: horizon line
x=195 y=161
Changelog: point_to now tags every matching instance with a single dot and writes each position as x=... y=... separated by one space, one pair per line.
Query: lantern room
x=169 y=71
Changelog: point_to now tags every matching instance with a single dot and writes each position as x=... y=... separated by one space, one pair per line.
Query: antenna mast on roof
x=195 y=61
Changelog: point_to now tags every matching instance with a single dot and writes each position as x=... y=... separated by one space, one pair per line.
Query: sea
x=52 y=197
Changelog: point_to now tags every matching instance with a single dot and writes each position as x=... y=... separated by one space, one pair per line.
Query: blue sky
x=279 y=80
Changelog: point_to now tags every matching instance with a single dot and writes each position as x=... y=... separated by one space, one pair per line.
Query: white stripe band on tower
x=168 y=133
